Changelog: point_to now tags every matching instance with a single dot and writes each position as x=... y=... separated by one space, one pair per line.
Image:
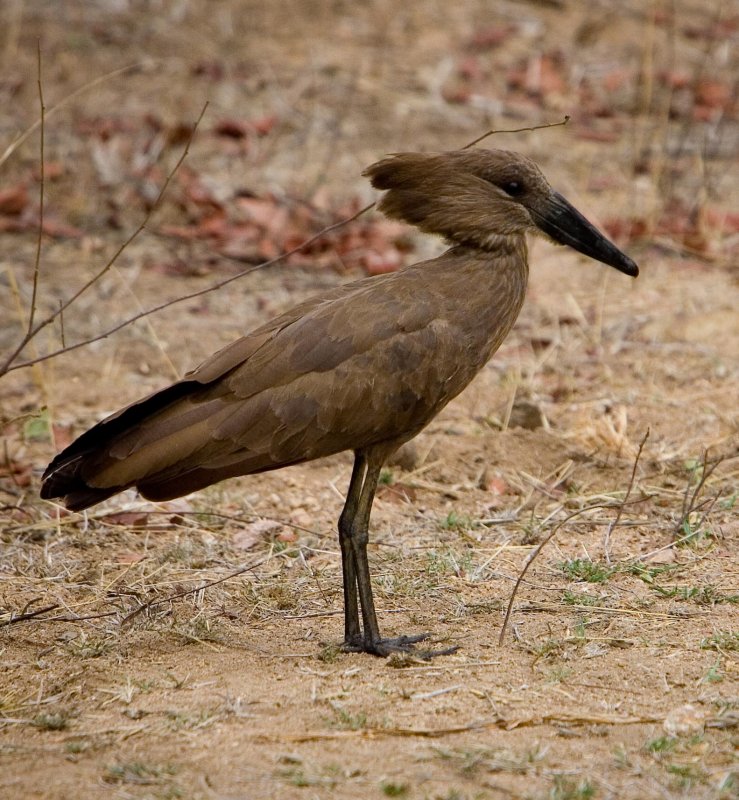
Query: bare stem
x=690 y=500
x=14 y=145
x=212 y=288
x=37 y=262
x=493 y=131
x=535 y=552
x=613 y=525
x=177 y=595
x=8 y=366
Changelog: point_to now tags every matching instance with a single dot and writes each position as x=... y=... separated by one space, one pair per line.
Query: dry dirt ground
x=120 y=675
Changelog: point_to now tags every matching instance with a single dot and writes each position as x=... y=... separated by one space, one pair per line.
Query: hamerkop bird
x=362 y=367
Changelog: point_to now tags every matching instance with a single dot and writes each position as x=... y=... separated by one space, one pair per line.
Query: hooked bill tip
x=565 y=224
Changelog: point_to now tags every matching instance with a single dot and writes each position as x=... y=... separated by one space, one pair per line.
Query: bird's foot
x=403 y=645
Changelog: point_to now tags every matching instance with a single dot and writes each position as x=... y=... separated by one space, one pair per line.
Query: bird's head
x=476 y=196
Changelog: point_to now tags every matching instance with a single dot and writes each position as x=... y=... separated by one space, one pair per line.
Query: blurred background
x=294 y=100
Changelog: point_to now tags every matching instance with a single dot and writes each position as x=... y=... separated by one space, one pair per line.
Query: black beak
x=566 y=225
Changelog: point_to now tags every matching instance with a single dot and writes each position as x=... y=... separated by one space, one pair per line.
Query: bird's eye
x=513 y=188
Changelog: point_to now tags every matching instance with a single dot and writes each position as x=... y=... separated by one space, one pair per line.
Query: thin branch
x=9 y=366
x=13 y=146
x=24 y=616
x=493 y=131
x=37 y=262
x=535 y=552
x=212 y=288
x=613 y=525
x=80 y=618
x=185 y=593
x=689 y=501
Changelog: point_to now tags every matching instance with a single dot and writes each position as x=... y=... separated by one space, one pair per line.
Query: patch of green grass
x=549 y=648
x=694 y=537
x=687 y=774
x=558 y=674
x=329 y=653
x=87 y=646
x=37 y=428
x=713 y=674
x=649 y=573
x=579 y=599
x=471 y=760
x=198 y=629
x=621 y=757
x=76 y=746
x=449 y=562
x=582 y=569
x=138 y=773
x=726 y=641
x=565 y=788
x=662 y=744
x=281 y=595
x=386 y=477
x=191 y=720
x=729 y=786
x=390 y=789
x=348 y=721
x=700 y=595
x=51 y=722
x=458 y=522
x=297 y=776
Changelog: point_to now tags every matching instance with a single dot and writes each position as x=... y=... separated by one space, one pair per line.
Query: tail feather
x=67 y=476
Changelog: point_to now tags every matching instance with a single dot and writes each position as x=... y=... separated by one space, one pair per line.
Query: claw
x=401 y=644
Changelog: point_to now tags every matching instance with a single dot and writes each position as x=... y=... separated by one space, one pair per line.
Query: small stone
x=526 y=415
x=406 y=457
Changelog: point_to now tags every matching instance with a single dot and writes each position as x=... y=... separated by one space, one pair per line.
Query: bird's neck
x=483 y=289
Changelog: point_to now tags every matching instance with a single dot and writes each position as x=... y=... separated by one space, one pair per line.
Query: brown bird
x=363 y=367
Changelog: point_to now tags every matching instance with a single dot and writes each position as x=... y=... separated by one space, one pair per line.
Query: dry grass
x=190 y=649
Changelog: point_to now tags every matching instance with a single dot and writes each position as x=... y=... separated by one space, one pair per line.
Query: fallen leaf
x=128 y=519
x=232 y=128
x=14 y=199
x=491 y=36
x=129 y=558
x=255 y=532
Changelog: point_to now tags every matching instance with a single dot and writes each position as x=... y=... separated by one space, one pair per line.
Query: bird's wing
x=342 y=371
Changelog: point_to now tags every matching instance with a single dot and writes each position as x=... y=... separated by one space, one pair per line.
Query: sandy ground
x=618 y=676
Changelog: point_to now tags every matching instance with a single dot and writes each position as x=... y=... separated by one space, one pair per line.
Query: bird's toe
x=400 y=645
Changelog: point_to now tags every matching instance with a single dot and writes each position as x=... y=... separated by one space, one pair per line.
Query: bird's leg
x=356 y=535
x=352 y=630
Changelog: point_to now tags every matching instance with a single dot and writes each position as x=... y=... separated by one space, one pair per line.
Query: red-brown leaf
x=128 y=519
x=14 y=199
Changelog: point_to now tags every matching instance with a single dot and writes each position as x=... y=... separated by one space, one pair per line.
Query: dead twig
x=26 y=615
x=535 y=552
x=182 y=298
x=16 y=143
x=493 y=131
x=613 y=525
x=37 y=261
x=503 y=723
x=185 y=593
x=34 y=330
x=690 y=504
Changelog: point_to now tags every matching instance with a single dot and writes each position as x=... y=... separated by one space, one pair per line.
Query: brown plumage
x=363 y=367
